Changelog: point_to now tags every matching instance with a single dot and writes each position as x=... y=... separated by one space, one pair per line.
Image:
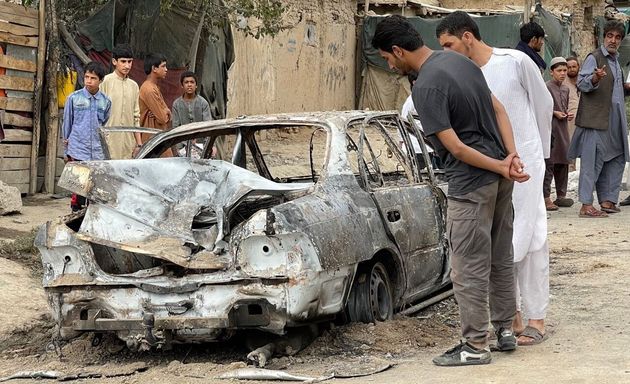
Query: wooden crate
x=19 y=33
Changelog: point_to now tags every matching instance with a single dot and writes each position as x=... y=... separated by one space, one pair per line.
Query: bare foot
x=517 y=323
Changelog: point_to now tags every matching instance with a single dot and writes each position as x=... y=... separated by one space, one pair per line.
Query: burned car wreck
x=264 y=223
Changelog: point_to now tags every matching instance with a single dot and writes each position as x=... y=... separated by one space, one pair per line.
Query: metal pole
x=426 y=303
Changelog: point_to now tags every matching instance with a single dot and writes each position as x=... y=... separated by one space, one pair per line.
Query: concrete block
x=10 y=199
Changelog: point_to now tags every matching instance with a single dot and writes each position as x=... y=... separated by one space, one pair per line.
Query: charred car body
x=307 y=217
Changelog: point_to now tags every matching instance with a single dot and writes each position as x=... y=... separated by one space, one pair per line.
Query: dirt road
x=588 y=320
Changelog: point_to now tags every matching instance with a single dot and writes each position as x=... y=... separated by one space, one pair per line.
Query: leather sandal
x=591 y=212
x=550 y=206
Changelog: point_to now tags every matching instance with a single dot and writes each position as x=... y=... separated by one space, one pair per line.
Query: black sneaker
x=506 y=340
x=463 y=354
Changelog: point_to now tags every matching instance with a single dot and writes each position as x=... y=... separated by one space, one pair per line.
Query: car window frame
x=403 y=158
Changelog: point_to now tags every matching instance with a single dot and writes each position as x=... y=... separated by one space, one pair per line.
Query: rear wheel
x=371 y=295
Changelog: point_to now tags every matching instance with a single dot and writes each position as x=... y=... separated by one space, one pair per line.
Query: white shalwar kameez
x=516 y=82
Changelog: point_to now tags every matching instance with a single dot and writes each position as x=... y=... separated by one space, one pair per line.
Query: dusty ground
x=588 y=324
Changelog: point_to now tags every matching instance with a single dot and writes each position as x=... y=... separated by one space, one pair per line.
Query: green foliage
x=267 y=14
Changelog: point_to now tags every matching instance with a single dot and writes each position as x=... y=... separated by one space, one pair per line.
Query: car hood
x=176 y=209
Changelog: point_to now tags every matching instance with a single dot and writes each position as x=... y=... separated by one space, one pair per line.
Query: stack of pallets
x=18 y=40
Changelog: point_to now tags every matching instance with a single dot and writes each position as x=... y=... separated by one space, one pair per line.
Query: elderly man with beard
x=516 y=82
x=600 y=138
x=573 y=68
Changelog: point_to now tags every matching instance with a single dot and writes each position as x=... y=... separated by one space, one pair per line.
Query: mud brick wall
x=308 y=67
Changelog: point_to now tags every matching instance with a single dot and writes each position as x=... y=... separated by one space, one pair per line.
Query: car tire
x=371 y=298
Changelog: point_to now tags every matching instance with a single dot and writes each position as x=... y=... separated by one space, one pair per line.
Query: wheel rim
x=380 y=296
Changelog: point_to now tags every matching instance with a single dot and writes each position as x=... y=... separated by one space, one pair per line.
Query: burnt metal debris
x=198 y=247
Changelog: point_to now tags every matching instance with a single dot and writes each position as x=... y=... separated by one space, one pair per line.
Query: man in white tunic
x=516 y=81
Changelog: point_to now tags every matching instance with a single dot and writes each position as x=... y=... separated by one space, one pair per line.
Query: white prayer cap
x=557 y=60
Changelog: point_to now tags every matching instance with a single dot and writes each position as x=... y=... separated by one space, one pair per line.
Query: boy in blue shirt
x=85 y=111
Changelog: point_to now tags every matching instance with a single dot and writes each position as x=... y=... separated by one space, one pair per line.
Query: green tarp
x=557 y=36
x=498 y=31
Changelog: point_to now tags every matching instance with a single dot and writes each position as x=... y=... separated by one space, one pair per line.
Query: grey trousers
x=601 y=176
x=479 y=227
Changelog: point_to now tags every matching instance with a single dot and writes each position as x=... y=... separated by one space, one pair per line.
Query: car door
x=411 y=207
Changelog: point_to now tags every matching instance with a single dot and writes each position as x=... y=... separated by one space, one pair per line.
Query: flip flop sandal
x=592 y=213
x=610 y=209
x=532 y=333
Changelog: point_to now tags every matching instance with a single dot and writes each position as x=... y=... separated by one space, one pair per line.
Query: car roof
x=306 y=118
x=331 y=119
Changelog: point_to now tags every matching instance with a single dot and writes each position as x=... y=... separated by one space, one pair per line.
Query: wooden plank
x=41 y=166
x=54 y=56
x=18 y=10
x=74 y=47
x=17 y=83
x=18 y=40
x=15 y=177
x=7 y=61
x=18 y=30
x=14 y=19
x=16 y=104
x=57 y=188
x=13 y=135
x=13 y=164
x=37 y=104
x=15 y=150
x=16 y=120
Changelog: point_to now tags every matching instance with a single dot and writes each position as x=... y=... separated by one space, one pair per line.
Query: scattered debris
x=10 y=199
x=348 y=371
x=33 y=375
x=127 y=370
x=268 y=374
x=275 y=375
x=260 y=355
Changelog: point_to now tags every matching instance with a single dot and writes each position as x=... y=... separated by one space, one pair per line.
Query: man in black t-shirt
x=473 y=137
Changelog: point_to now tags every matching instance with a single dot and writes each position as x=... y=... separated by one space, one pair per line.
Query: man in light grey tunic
x=601 y=132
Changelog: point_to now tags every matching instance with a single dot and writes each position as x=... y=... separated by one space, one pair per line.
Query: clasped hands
x=512 y=168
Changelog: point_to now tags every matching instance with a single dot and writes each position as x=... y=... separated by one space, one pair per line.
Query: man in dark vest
x=600 y=138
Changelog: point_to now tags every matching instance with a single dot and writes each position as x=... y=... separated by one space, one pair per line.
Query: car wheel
x=371 y=295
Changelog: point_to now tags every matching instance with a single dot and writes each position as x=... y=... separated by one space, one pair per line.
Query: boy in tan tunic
x=125 y=112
